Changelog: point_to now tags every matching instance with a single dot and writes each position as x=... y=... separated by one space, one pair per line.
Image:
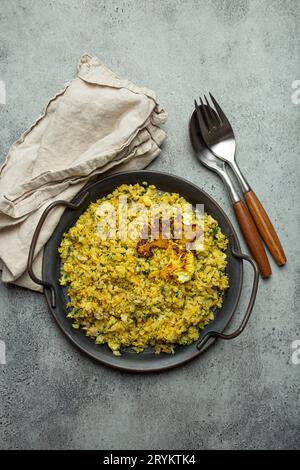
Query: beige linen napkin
x=97 y=123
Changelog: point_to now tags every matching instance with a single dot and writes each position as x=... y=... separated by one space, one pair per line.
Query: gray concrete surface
x=240 y=394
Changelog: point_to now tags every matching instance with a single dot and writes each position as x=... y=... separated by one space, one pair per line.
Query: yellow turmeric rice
x=126 y=293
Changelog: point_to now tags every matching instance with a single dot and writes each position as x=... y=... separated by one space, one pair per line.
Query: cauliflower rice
x=126 y=299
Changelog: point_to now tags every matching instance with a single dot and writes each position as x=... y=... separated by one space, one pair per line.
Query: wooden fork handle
x=252 y=238
x=265 y=227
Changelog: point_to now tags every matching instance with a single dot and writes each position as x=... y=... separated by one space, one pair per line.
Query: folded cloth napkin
x=97 y=123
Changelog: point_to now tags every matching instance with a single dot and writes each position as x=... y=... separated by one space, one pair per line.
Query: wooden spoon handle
x=265 y=227
x=252 y=238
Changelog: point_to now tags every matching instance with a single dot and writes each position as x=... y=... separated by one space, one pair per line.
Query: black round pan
x=147 y=361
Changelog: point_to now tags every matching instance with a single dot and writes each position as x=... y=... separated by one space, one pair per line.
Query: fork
x=219 y=137
x=243 y=215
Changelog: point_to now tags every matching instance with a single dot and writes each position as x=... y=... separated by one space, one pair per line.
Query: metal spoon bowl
x=209 y=160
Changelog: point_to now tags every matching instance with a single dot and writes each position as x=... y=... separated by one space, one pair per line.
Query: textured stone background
x=240 y=394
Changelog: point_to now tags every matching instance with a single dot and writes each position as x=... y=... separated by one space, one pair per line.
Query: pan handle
x=240 y=329
x=34 y=240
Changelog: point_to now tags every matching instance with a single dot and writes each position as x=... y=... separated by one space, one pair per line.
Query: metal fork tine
x=199 y=115
x=200 y=118
x=220 y=113
x=213 y=116
x=205 y=114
